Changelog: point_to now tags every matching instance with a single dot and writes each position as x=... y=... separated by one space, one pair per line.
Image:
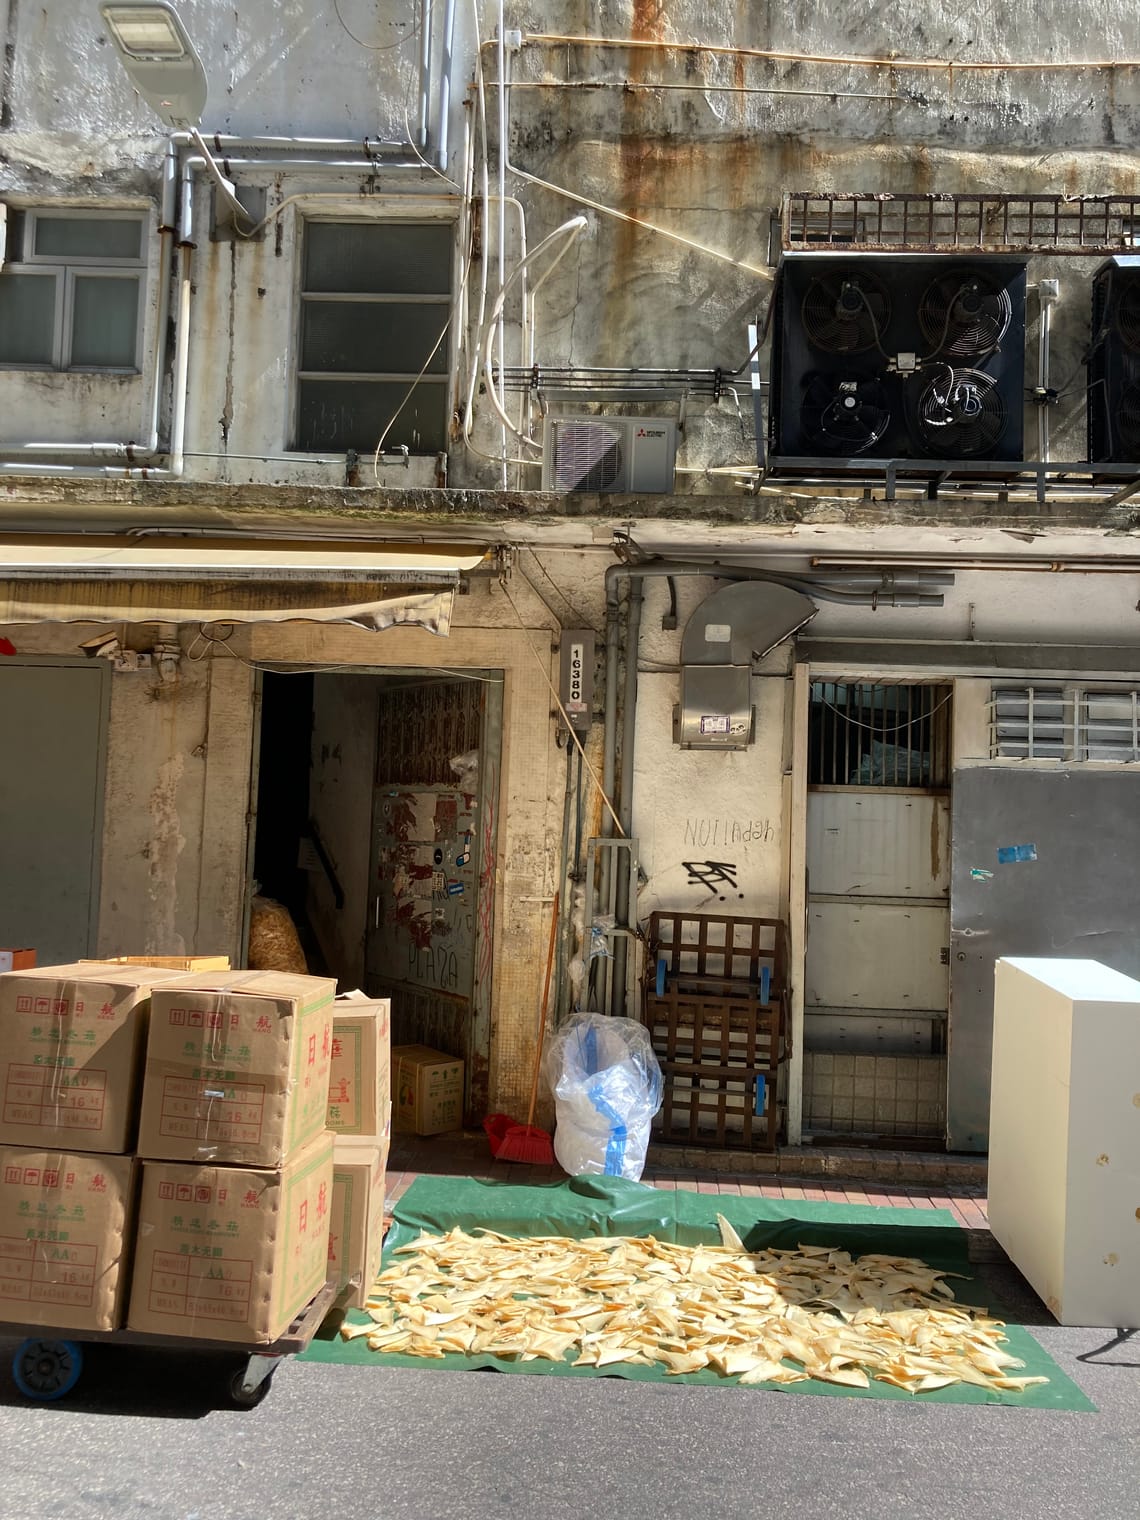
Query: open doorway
x=376 y=828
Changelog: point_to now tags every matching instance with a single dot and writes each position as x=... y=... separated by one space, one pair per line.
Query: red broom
x=526 y=1142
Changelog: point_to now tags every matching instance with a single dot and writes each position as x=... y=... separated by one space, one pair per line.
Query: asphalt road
x=150 y=1435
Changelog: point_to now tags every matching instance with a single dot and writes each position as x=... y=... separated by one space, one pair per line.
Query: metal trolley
x=48 y=1362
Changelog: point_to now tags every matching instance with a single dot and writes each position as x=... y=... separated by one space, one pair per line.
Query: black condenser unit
x=897 y=357
x=1114 y=362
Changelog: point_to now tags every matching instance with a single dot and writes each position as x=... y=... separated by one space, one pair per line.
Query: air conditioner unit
x=903 y=357
x=609 y=454
x=1114 y=362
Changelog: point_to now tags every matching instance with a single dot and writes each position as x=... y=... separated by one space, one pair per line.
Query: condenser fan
x=845 y=416
x=960 y=414
x=963 y=316
x=589 y=455
x=1128 y=314
x=845 y=311
x=1127 y=422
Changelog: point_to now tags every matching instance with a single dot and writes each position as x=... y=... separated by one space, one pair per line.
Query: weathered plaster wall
x=700 y=144
x=175 y=799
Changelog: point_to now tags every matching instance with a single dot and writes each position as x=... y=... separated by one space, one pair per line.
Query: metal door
x=52 y=740
x=1045 y=862
x=434 y=828
x=878 y=877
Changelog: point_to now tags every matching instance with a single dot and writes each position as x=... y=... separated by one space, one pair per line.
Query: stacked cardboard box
x=429 y=1090
x=228 y=1222
x=72 y=1039
x=237 y=1163
x=359 y=1112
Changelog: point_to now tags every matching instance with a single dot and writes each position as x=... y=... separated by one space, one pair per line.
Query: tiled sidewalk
x=468 y=1155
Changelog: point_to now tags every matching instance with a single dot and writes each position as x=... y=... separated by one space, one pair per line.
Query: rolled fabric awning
x=374 y=586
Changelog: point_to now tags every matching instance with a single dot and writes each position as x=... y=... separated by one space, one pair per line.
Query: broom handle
x=542 y=1012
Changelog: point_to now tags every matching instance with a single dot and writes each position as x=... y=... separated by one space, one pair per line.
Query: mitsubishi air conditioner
x=609 y=454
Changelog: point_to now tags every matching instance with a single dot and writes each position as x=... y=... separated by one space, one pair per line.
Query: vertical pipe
x=181 y=363
x=445 y=73
x=501 y=54
x=1047 y=293
x=425 y=74
x=625 y=909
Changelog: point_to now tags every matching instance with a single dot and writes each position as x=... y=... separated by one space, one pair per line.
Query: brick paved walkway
x=468 y=1155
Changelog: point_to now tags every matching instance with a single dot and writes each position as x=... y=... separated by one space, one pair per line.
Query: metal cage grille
x=871 y=734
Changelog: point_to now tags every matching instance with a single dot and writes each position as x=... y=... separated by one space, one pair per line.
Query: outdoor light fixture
x=159 y=59
x=162 y=65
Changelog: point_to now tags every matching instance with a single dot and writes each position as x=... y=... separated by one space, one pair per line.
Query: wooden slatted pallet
x=715 y=1006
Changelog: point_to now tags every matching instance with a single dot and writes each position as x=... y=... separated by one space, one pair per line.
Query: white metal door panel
x=877 y=843
x=876 y=955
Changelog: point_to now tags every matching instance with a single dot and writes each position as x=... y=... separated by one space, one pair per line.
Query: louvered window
x=1059 y=721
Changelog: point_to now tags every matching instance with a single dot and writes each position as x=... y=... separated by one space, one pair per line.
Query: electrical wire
x=874 y=727
x=581 y=622
x=407 y=396
x=375 y=47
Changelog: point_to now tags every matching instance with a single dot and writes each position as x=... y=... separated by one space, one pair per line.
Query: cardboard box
x=237 y=1068
x=231 y=1253
x=172 y=962
x=360 y=1077
x=429 y=1091
x=71 y=1046
x=356 y=1231
x=66 y=1229
x=17 y=960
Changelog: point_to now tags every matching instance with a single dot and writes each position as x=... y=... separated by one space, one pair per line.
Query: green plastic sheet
x=614 y=1206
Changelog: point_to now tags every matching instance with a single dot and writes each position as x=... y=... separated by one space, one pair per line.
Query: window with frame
x=373 y=344
x=1056 y=720
x=71 y=291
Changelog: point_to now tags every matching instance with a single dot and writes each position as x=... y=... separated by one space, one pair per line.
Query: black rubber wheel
x=45 y=1369
x=245 y=1400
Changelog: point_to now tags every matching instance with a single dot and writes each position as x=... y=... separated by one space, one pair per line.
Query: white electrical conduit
x=570 y=231
x=502 y=250
x=937 y=65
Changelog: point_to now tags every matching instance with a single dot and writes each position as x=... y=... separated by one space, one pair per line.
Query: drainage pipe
x=425 y=73
x=447 y=66
x=624 y=909
x=1047 y=292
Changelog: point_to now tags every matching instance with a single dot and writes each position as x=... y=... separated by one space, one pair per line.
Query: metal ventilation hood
x=731 y=629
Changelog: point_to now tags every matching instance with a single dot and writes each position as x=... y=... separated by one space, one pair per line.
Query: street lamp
x=164 y=68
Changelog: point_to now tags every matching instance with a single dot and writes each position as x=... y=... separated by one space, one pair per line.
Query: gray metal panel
x=1077 y=899
x=968 y=658
x=52 y=739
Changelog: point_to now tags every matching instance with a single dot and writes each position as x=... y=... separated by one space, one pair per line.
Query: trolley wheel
x=45 y=1369
x=241 y=1396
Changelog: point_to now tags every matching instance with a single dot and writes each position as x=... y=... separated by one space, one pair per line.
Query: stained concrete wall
x=695 y=145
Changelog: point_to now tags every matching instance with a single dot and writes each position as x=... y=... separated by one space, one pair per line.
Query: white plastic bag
x=607 y=1087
